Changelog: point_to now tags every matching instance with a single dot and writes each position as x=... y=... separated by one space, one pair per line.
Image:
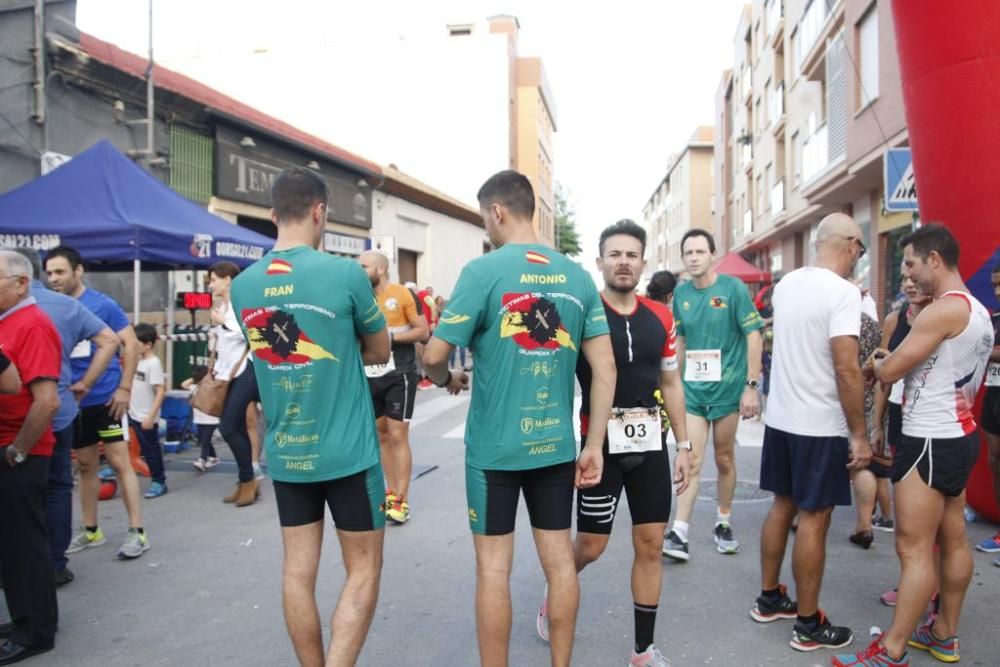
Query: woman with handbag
x=240 y=386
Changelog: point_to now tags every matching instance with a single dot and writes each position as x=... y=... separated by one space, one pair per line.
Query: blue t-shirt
x=114 y=317
x=74 y=324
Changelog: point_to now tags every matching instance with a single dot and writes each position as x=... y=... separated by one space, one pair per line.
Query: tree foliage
x=567 y=237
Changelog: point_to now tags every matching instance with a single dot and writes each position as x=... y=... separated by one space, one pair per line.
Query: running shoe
x=212 y=461
x=258 y=472
x=990 y=545
x=390 y=500
x=136 y=544
x=725 y=543
x=105 y=473
x=155 y=490
x=873 y=656
x=945 y=650
x=199 y=463
x=425 y=384
x=766 y=609
x=85 y=539
x=821 y=635
x=863 y=538
x=651 y=657
x=996 y=561
x=674 y=547
x=542 y=621
x=884 y=524
x=889 y=598
x=399 y=511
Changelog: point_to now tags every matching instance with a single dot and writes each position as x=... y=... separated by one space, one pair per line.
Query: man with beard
x=322 y=448
x=394 y=385
x=719 y=346
x=648 y=393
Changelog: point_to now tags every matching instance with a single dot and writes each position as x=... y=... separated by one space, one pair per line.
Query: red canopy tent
x=732 y=264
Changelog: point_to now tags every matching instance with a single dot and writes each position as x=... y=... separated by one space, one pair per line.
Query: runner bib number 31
x=703 y=366
x=632 y=430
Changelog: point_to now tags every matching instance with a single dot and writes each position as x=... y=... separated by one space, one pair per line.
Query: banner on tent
x=36 y=241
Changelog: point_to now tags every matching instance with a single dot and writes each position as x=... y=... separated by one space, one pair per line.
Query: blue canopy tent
x=119 y=217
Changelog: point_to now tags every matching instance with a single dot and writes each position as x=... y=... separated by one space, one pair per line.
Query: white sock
x=681 y=530
x=721 y=518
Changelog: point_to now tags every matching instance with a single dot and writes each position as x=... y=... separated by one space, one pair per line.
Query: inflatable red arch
x=949 y=63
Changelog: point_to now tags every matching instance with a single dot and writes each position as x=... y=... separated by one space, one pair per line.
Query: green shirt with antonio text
x=524 y=310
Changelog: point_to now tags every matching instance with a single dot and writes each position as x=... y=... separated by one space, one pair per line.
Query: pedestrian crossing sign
x=900 y=184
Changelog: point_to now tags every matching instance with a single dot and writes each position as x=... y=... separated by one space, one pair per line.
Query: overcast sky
x=631 y=79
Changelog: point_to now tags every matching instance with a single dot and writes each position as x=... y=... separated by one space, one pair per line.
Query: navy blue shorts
x=812 y=470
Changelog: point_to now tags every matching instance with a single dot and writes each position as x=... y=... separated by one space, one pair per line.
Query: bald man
x=394 y=385
x=815 y=428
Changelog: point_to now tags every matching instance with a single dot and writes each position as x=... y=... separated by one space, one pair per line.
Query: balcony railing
x=778 y=198
x=777 y=101
x=773 y=14
x=814 y=155
x=810 y=27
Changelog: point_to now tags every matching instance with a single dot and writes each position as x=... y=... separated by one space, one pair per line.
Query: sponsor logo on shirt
x=278 y=266
x=716 y=302
x=275 y=337
x=453 y=318
x=536 y=257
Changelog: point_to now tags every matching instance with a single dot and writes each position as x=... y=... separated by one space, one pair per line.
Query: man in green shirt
x=719 y=347
x=527 y=312
x=303 y=312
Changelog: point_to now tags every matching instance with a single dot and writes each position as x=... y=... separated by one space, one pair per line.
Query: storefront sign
x=343 y=244
x=245 y=170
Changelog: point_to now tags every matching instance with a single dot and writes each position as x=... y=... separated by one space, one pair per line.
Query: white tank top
x=939 y=394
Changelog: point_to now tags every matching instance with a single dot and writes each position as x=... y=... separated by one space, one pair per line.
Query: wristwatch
x=753 y=384
x=19 y=458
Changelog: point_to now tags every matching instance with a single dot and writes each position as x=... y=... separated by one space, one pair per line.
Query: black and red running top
x=644 y=342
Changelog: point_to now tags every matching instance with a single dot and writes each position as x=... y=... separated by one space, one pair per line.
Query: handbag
x=210 y=393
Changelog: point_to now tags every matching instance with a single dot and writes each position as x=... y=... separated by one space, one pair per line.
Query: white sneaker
x=199 y=463
x=211 y=462
x=258 y=472
x=651 y=657
x=542 y=622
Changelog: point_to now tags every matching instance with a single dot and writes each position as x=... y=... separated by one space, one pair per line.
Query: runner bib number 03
x=632 y=430
x=703 y=366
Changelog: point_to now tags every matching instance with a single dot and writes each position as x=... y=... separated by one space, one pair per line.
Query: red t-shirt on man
x=427 y=301
x=30 y=340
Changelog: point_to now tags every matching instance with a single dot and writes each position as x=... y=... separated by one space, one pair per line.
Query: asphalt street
x=208 y=592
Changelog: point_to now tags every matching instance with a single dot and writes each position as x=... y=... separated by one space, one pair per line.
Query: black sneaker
x=674 y=547
x=725 y=543
x=766 y=609
x=63 y=577
x=822 y=635
x=884 y=524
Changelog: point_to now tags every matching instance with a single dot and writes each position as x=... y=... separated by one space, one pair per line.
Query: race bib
x=993 y=375
x=81 y=350
x=632 y=430
x=379 y=370
x=703 y=366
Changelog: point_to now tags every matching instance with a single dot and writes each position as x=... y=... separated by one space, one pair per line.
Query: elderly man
x=30 y=340
x=815 y=433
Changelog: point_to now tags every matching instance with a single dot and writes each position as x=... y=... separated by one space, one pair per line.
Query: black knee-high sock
x=645 y=622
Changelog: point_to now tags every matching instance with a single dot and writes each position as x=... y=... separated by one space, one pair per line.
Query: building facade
x=804 y=119
x=683 y=200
